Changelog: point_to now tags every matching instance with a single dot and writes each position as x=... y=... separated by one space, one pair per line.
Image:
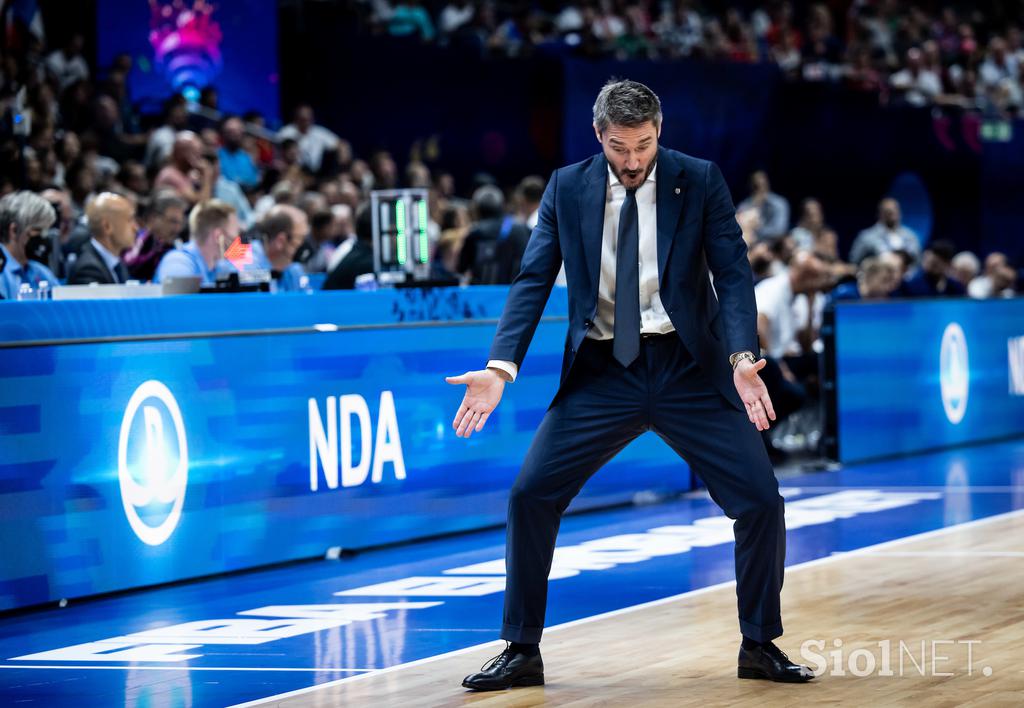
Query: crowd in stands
x=957 y=55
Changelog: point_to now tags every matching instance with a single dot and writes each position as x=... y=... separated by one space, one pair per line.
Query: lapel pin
x=677 y=190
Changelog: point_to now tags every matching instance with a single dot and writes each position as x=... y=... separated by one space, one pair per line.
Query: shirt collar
x=614 y=181
x=109 y=258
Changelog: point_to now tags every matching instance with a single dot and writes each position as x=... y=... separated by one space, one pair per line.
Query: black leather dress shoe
x=769 y=662
x=506 y=670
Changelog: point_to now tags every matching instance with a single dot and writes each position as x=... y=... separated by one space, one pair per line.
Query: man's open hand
x=483 y=393
x=753 y=392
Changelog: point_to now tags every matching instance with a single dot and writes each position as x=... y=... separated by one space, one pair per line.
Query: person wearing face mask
x=112 y=227
x=24 y=216
x=213 y=226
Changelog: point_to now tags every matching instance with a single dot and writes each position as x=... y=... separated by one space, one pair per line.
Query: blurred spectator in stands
x=359 y=259
x=385 y=171
x=67 y=64
x=999 y=66
x=132 y=177
x=761 y=258
x=788 y=306
x=916 y=83
x=933 y=279
x=187 y=173
x=965 y=267
x=161 y=140
x=312 y=139
x=887 y=234
x=454 y=16
x=112 y=225
x=236 y=164
x=999 y=279
x=493 y=249
x=164 y=221
x=822 y=50
x=877 y=278
x=528 y=196
x=24 y=218
x=811 y=225
x=227 y=191
x=213 y=226
x=284 y=229
x=410 y=19
x=773 y=208
x=60 y=232
x=333 y=236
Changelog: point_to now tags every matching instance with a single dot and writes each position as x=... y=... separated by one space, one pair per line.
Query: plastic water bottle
x=25 y=292
x=44 y=292
x=304 y=285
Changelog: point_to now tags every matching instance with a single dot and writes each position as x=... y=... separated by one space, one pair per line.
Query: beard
x=637 y=177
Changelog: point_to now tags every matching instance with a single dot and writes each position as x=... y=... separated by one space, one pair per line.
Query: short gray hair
x=26 y=210
x=627 y=103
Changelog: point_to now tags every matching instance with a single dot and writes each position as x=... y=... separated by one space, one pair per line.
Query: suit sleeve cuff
x=509 y=367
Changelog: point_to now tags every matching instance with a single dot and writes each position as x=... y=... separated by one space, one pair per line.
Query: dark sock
x=528 y=649
x=749 y=643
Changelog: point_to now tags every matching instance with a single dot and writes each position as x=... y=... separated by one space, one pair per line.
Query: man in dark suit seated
x=933 y=278
x=651 y=346
x=112 y=230
x=357 y=261
x=493 y=249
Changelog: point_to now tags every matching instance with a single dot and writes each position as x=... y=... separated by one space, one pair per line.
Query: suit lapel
x=592 y=204
x=671 y=195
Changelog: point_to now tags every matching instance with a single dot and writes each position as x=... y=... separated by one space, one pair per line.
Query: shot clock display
x=401 y=240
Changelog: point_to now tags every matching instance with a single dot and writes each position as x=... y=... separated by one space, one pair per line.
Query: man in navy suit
x=652 y=345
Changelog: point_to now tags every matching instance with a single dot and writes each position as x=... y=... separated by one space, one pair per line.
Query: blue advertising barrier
x=914 y=375
x=148 y=441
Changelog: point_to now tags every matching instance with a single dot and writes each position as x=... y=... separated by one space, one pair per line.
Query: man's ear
x=597 y=133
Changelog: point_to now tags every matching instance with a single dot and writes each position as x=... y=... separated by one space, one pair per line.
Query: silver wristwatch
x=734 y=359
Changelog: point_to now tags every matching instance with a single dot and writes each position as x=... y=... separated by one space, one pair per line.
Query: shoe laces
x=493 y=661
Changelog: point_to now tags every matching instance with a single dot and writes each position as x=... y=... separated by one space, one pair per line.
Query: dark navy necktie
x=626 y=344
x=120 y=273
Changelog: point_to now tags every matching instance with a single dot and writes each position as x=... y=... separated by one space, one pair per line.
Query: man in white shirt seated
x=213 y=226
x=112 y=228
x=314 y=140
x=789 y=307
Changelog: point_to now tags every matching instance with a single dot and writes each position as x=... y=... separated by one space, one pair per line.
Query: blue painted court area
x=252 y=636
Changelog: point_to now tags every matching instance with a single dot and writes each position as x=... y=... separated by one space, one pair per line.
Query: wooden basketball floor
x=956 y=585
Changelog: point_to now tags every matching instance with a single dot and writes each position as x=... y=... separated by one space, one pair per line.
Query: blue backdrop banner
x=151 y=448
x=915 y=375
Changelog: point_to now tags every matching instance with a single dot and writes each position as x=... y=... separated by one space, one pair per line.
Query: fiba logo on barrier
x=954 y=372
x=152 y=462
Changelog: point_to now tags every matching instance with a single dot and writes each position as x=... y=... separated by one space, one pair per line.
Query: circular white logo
x=954 y=372
x=152 y=470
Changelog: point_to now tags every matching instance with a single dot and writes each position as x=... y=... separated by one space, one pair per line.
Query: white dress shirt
x=653 y=318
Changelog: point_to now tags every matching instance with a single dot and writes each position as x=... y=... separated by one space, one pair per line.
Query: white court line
x=866 y=550
x=941 y=554
x=175 y=668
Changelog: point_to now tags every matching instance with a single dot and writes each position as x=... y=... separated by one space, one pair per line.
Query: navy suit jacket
x=696 y=231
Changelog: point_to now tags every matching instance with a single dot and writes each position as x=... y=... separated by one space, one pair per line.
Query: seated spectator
x=60 y=232
x=236 y=164
x=359 y=259
x=24 y=217
x=493 y=250
x=161 y=140
x=165 y=220
x=773 y=208
x=112 y=226
x=918 y=84
x=933 y=279
x=228 y=192
x=888 y=234
x=313 y=140
x=213 y=226
x=965 y=267
x=332 y=231
x=787 y=319
x=877 y=278
x=284 y=229
x=187 y=173
x=811 y=226
x=998 y=280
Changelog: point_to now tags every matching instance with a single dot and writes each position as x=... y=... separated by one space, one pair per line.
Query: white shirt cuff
x=509 y=367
